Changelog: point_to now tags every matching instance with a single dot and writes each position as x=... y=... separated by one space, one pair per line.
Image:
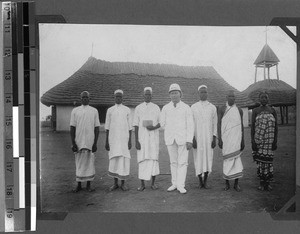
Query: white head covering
x=147 y=88
x=85 y=92
x=202 y=86
x=118 y=91
x=174 y=87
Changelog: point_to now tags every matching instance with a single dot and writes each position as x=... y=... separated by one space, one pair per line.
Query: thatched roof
x=101 y=81
x=98 y=66
x=280 y=93
x=266 y=57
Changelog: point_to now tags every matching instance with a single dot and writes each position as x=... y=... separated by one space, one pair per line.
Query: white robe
x=84 y=119
x=231 y=130
x=205 y=121
x=118 y=122
x=85 y=165
x=147 y=156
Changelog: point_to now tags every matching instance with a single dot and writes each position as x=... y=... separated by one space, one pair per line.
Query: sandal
x=260 y=188
x=142 y=188
x=269 y=188
x=90 y=189
x=124 y=188
x=227 y=187
x=114 y=187
x=154 y=187
x=76 y=190
x=237 y=188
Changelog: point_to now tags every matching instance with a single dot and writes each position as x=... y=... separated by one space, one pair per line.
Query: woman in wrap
x=264 y=132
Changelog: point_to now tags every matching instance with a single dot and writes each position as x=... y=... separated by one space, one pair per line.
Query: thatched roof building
x=280 y=93
x=101 y=78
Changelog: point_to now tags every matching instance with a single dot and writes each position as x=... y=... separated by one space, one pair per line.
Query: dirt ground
x=58 y=178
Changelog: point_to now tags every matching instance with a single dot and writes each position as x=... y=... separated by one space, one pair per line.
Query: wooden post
x=277 y=71
x=255 y=74
x=281 y=115
x=287 y=114
x=269 y=73
x=264 y=71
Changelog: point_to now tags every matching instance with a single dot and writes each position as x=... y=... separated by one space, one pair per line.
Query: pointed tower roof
x=266 y=56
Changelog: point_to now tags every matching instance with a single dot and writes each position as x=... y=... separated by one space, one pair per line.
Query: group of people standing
x=198 y=128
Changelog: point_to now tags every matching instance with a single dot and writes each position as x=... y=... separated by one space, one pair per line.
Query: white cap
x=147 y=88
x=118 y=91
x=85 y=92
x=174 y=87
x=202 y=86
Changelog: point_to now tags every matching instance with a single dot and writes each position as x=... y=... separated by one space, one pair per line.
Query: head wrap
x=118 y=91
x=202 y=86
x=147 y=88
x=85 y=92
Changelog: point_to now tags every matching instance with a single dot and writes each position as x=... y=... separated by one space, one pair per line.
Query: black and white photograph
x=148 y=118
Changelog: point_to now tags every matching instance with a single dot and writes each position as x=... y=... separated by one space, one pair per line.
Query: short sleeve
x=129 y=119
x=96 y=118
x=73 y=118
x=136 y=117
x=108 y=119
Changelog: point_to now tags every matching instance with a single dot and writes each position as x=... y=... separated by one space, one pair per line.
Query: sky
x=231 y=50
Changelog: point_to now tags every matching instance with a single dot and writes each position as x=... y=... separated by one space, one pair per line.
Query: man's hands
x=254 y=146
x=137 y=145
x=194 y=143
x=274 y=145
x=107 y=146
x=220 y=142
x=94 y=148
x=242 y=145
x=189 y=145
x=74 y=148
x=150 y=127
x=213 y=143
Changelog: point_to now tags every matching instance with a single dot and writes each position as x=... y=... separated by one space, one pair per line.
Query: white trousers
x=178 y=163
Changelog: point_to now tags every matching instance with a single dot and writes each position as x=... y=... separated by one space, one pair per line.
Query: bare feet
x=268 y=188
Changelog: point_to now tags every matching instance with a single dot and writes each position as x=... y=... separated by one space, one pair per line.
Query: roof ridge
x=99 y=66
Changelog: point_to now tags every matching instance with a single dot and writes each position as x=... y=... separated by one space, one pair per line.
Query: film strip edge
x=8 y=115
x=18 y=120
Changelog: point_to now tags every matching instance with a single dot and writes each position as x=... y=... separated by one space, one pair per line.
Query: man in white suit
x=177 y=120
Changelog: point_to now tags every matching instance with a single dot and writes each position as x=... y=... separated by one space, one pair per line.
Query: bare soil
x=58 y=179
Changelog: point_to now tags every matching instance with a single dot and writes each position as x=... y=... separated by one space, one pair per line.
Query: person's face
x=231 y=99
x=263 y=98
x=118 y=98
x=147 y=96
x=175 y=96
x=203 y=94
x=85 y=99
